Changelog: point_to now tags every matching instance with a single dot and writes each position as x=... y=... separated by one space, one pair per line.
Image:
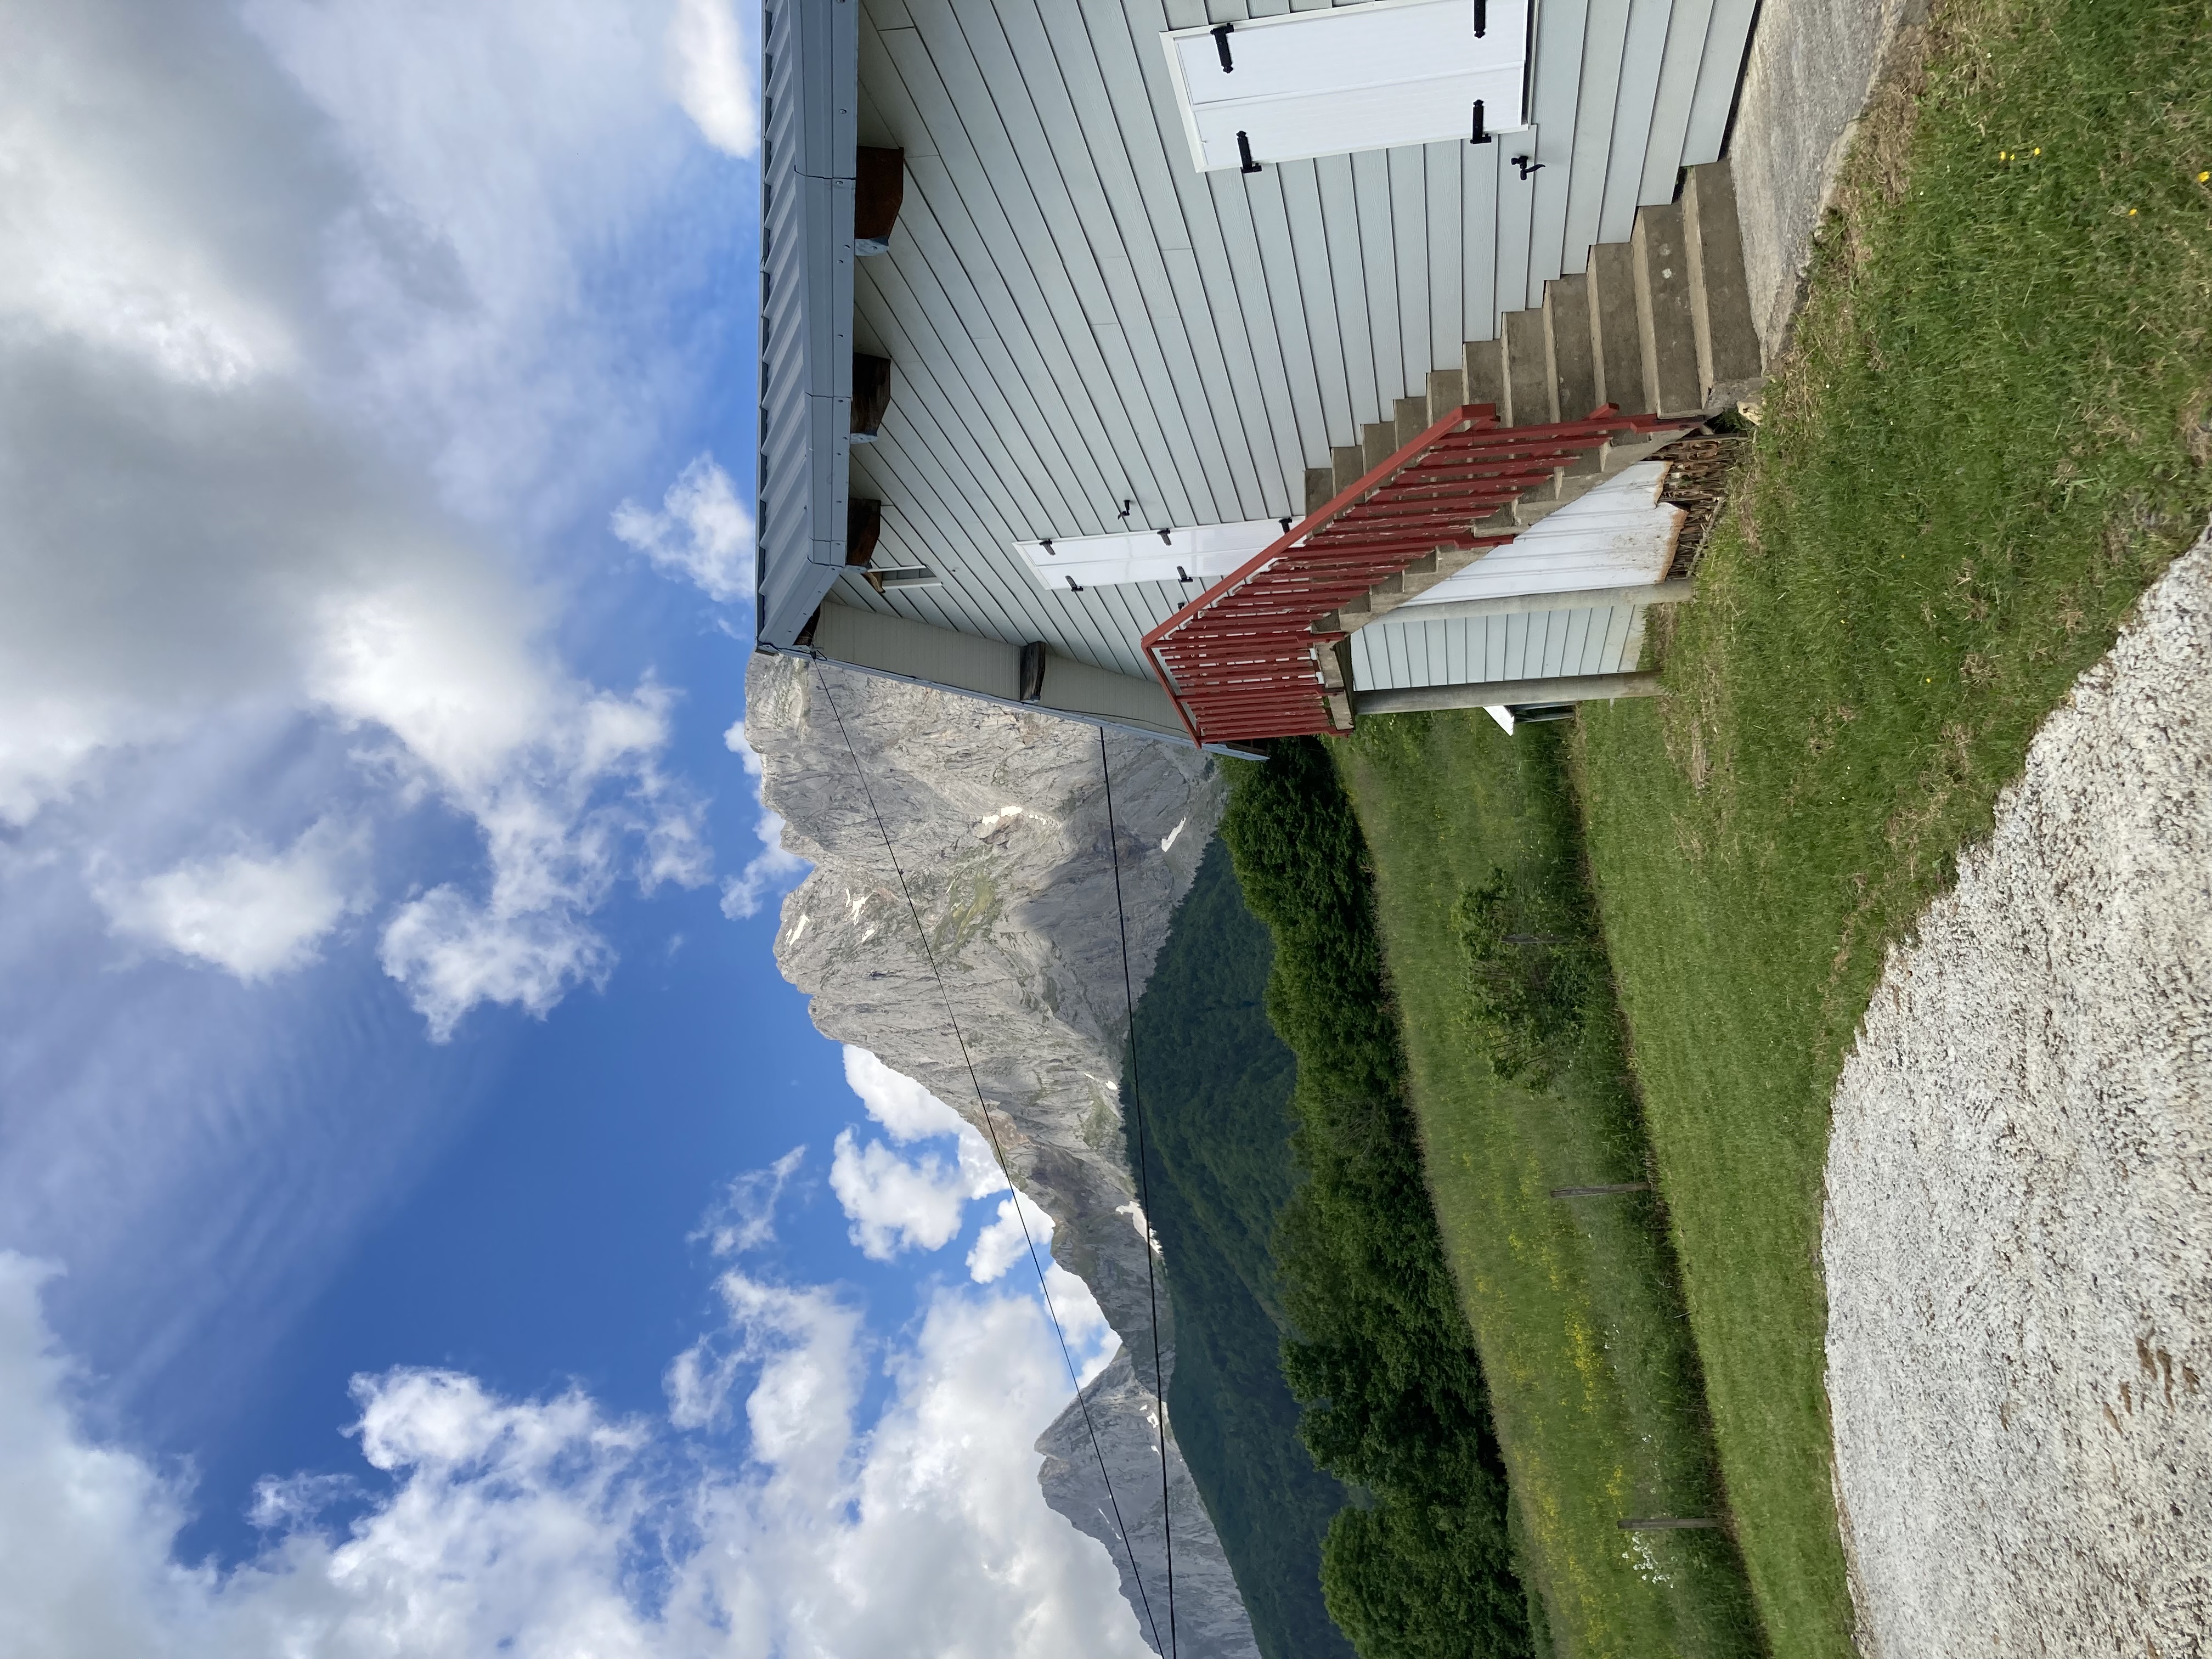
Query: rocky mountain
x=998 y=820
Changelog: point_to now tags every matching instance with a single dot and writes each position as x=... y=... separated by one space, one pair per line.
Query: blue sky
x=428 y=1222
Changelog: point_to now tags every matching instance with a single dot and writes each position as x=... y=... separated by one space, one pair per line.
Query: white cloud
x=903 y=1107
x=909 y=1112
x=1003 y=1243
x=538 y=1528
x=317 y=331
x=559 y=778
x=252 y=916
x=708 y=70
x=894 y=1203
x=744 y=1220
x=703 y=534
x=771 y=868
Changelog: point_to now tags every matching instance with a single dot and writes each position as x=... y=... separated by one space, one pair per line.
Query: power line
x=1006 y=1169
x=1144 y=1186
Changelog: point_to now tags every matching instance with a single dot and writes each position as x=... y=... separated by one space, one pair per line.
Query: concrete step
x=1528 y=371
x=1569 y=356
x=1483 y=370
x=1616 y=340
x=1729 y=359
x=1567 y=348
x=1665 y=319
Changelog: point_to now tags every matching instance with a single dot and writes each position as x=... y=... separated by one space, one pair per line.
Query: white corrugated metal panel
x=811 y=102
x=1401 y=652
x=1077 y=317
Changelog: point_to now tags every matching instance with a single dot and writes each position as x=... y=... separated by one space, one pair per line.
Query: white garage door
x=1357 y=78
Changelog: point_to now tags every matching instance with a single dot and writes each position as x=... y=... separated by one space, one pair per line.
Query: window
x=1357 y=78
x=1193 y=557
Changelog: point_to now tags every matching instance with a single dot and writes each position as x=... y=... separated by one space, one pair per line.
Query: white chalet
x=1223 y=370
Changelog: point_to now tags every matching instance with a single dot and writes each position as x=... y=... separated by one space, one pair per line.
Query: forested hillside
x=1216 y=1092
x=1378 y=1351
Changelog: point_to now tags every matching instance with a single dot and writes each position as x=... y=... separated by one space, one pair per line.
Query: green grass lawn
x=1993 y=434
x=1573 y=1303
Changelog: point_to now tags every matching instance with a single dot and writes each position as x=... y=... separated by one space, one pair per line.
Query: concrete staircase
x=1660 y=324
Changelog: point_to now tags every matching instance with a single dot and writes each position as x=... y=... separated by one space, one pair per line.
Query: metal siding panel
x=1123 y=139
x=1545 y=638
x=1063 y=364
x=1630 y=657
x=1016 y=239
x=1304 y=222
x=1218 y=309
x=935 y=518
x=951 y=529
x=1558 y=78
x=1421 y=653
x=1268 y=295
x=1447 y=266
x=1340 y=231
x=1478 y=165
x=1493 y=650
x=1640 y=60
x=1363 y=660
x=1517 y=206
x=1192 y=263
x=1577 y=635
x=1623 y=639
x=1378 y=253
x=981 y=382
x=982 y=260
x=1726 y=39
x=1687 y=26
x=1605 y=37
x=1409 y=224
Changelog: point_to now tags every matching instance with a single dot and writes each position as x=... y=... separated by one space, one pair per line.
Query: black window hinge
x=1482 y=134
x=1245 y=153
x=1223 y=31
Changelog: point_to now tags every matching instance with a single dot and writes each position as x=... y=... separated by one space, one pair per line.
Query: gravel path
x=2018 y=1241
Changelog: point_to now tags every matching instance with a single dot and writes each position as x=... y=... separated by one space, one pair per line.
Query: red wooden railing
x=1242 y=660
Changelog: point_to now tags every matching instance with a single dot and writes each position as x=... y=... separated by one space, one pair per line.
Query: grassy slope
x=1573 y=1303
x=1992 y=437
x=1216 y=1092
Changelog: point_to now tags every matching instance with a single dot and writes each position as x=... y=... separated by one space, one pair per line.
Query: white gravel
x=2018 y=1239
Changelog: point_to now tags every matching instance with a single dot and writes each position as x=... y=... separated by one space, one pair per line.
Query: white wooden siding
x=1076 y=317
